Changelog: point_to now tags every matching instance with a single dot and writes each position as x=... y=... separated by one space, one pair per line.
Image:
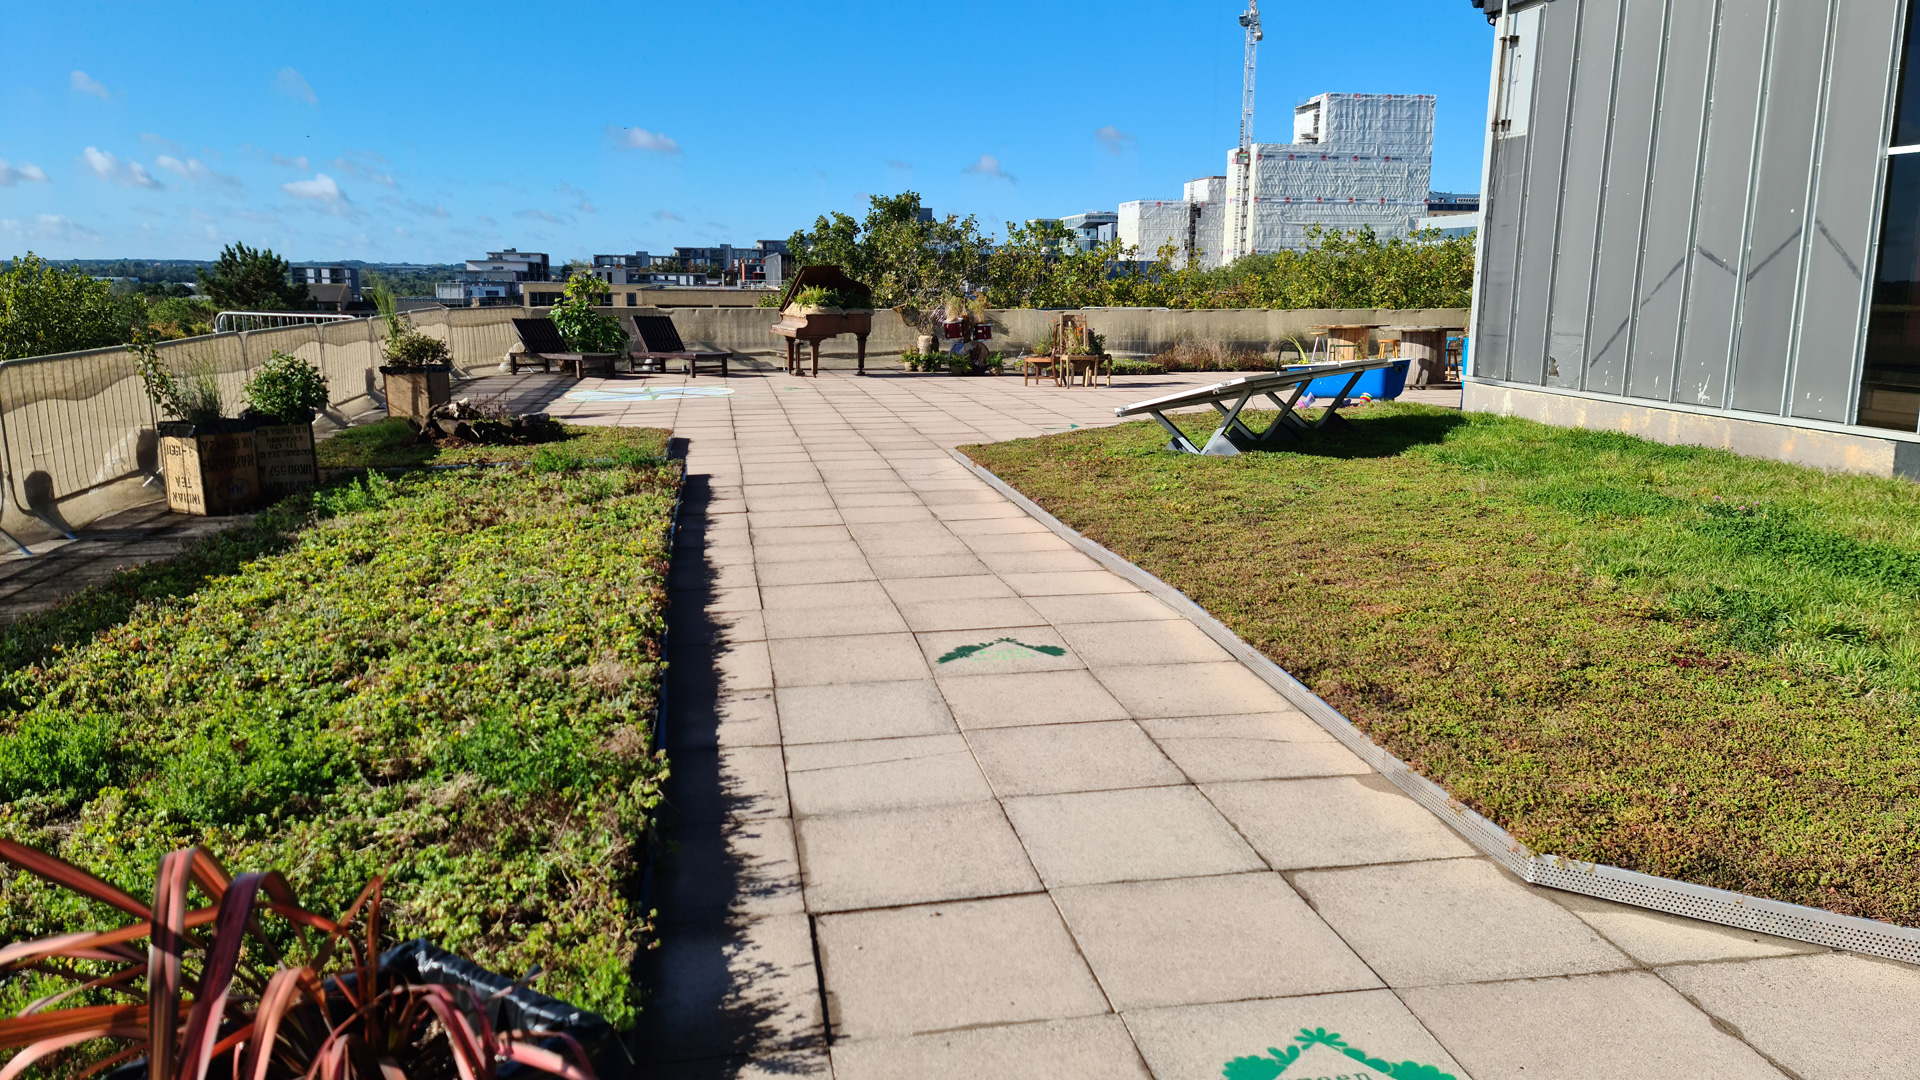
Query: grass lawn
x=448 y=677
x=1669 y=659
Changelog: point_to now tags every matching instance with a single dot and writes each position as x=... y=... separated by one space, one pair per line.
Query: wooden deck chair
x=544 y=343
x=659 y=341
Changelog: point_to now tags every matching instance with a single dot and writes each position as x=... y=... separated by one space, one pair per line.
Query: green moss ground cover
x=448 y=677
x=1664 y=658
x=392 y=444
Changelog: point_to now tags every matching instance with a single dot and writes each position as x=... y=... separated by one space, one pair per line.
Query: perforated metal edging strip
x=1739 y=910
x=660 y=700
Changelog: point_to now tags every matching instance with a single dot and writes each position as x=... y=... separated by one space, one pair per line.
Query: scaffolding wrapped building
x=1356 y=160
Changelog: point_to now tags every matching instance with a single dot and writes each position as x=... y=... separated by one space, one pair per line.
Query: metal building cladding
x=1705 y=207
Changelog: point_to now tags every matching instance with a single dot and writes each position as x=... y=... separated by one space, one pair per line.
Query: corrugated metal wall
x=1687 y=211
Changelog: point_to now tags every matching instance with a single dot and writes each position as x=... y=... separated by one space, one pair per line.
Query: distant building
x=496 y=279
x=1192 y=225
x=329 y=288
x=696 y=266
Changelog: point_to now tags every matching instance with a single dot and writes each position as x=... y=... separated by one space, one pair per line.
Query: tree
x=899 y=253
x=252 y=279
x=46 y=310
x=582 y=327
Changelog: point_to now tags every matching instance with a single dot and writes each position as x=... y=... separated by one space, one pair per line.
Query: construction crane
x=1243 y=157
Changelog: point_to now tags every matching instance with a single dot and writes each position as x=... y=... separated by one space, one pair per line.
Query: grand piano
x=815 y=325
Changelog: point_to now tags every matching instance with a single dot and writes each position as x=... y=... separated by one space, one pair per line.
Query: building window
x=1890 y=381
x=631 y=299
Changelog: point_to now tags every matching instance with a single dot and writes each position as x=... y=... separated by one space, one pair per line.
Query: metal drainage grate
x=1758 y=914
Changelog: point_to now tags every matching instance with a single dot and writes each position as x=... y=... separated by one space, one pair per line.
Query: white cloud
x=298 y=163
x=114 y=171
x=989 y=166
x=538 y=215
x=667 y=215
x=323 y=189
x=83 y=83
x=585 y=205
x=294 y=85
x=197 y=171
x=1115 y=140
x=365 y=165
x=26 y=170
x=50 y=227
x=627 y=138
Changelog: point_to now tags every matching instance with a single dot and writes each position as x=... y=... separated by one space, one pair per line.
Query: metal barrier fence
x=78 y=436
x=270 y=320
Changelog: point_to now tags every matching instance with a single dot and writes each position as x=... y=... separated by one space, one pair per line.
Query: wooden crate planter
x=414 y=393
x=285 y=456
x=209 y=472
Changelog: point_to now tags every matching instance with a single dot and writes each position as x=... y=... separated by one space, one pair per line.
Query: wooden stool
x=1035 y=368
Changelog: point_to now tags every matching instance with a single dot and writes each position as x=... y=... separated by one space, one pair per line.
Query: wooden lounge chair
x=659 y=341
x=544 y=343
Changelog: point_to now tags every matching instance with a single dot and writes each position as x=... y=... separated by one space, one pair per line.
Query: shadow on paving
x=734 y=945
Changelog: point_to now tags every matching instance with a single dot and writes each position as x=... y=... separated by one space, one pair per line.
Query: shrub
x=286 y=389
x=44 y=310
x=415 y=351
x=193 y=395
x=585 y=329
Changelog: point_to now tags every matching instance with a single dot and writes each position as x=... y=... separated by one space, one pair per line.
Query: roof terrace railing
x=229 y=321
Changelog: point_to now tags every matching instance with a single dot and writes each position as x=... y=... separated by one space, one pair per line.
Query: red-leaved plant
x=197 y=1000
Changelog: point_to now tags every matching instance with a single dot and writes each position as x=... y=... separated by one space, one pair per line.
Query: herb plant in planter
x=206 y=458
x=281 y=400
x=418 y=374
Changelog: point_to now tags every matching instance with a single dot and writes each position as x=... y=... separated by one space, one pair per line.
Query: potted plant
x=595 y=336
x=206 y=458
x=247 y=983
x=282 y=398
x=418 y=374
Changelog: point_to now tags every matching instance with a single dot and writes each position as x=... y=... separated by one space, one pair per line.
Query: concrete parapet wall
x=1855 y=450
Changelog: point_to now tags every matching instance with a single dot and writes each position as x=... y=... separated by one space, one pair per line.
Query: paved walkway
x=953 y=800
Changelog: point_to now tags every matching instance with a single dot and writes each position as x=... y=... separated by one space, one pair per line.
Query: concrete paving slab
x=841 y=711
x=1655 y=938
x=1457 y=920
x=947 y=587
x=1094 y=1046
x=836 y=595
x=775 y=538
x=1827 y=1016
x=815 y=572
x=728 y=870
x=943 y=967
x=1004 y=651
x=833 y=621
x=740 y=718
x=933 y=615
x=1101 y=607
x=744 y=989
x=1010 y=542
x=920 y=855
x=1133 y=835
x=1161 y=690
x=775 y=519
x=811 y=551
x=882 y=774
x=1037 y=697
x=1187 y=941
x=1167 y=641
x=1053 y=759
x=1334 y=821
x=729 y=784
x=1629 y=1026
x=1193 y=1042
x=891 y=567
x=864 y=658
x=733 y=666
x=776 y=1065
x=1028 y=583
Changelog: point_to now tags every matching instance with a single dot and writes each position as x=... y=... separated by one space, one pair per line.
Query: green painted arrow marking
x=965 y=651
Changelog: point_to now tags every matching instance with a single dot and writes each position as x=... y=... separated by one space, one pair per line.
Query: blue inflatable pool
x=1382 y=383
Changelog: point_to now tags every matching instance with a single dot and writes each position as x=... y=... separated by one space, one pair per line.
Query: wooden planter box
x=284 y=453
x=415 y=393
x=209 y=472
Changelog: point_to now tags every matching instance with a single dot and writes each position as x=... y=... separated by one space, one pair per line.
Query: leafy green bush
x=180 y=317
x=45 y=310
x=818 y=296
x=585 y=329
x=448 y=677
x=1137 y=367
x=286 y=389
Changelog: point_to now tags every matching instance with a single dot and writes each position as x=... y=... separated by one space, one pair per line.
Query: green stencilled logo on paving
x=965 y=651
x=1276 y=1062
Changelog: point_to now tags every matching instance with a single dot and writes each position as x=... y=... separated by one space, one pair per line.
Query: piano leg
x=862 y=340
x=816 y=357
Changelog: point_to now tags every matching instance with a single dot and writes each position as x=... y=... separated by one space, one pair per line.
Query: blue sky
x=430 y=132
